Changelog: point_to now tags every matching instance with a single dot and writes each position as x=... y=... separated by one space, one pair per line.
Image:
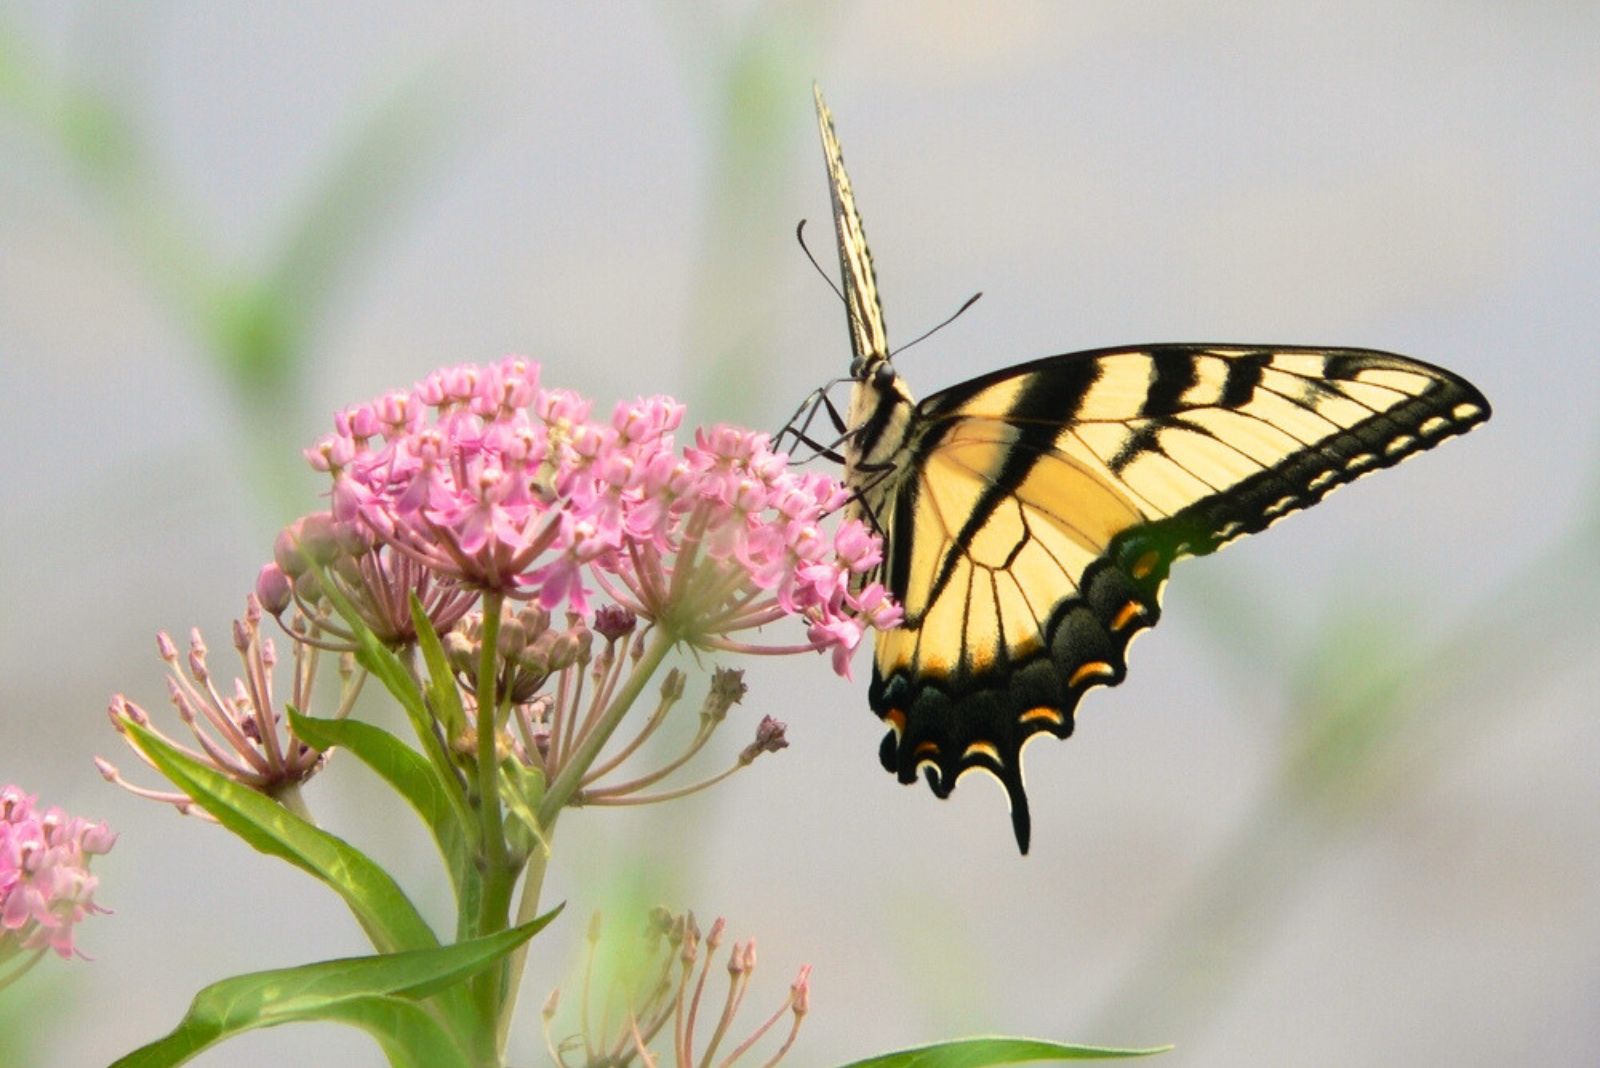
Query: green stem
x=15 y=972
x=571 y=775
x=556 y=796
x=291 y=798
x=527 y=909
x=495 y=870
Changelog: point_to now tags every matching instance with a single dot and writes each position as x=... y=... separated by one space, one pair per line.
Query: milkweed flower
x=244 y=735
x=492 y=481
x=46 y=888
x=373 y=580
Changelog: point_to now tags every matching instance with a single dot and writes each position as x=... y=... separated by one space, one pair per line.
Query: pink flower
x=45 y=885
x=491 y=482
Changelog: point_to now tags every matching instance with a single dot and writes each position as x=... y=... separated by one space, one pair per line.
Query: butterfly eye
x=883 y=377
x=857 y=365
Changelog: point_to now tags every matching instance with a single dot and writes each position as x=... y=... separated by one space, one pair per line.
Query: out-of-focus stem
x=566 y=782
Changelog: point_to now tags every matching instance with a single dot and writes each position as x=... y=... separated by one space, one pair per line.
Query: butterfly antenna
x=923 y=337
x=800 y=236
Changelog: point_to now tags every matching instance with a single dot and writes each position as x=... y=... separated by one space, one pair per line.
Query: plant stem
x=556 y=796
x=527 y=908
x=571 y=775
x=289 y=797
x=495 y=868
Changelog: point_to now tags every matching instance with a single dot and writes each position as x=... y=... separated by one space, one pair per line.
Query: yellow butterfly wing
x=1031 y=532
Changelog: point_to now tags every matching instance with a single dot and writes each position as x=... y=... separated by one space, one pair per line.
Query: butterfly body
x=1031 y=515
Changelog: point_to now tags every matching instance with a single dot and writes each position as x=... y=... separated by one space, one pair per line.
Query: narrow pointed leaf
x=445 y=694
x=982 y=1052
x=378 y=994
x=408 y=772
x=381 y=662
x=379 y=905
x=410 y=1036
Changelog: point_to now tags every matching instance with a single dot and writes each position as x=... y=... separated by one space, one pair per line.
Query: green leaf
x=380 y=661
x=409 y=1034
x=412 y=777
x=980 y=1052
x=442 y=681
x=522 y=789
x=377 y=994
x=379 y=905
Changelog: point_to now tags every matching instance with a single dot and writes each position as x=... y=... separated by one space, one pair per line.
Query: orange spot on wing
x=1034 y=714
x=1092 y=669
x=1145 y=564
x=982 y=749
x=1128 y=613
x=895 y=718
x=926 y=749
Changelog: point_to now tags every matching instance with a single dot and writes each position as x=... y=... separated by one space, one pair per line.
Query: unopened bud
x=801 y=989
x=354 y=538
x=513 y=639
x=317 y=540
x=273 y=589
x=565 y=650
x=550 y=1004
x=347 y=568
x=613 y=621
x=535 y=619
x=672 y=686
x=460 y=650
x=308 y=587
x=197 y=656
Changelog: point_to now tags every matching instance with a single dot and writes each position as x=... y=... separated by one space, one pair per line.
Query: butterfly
x=1030 y=516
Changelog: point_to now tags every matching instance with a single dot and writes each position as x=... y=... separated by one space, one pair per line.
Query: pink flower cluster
x=45 y=885
x=486 y=478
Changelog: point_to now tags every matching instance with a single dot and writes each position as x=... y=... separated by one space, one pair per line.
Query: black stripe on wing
x=947 y=723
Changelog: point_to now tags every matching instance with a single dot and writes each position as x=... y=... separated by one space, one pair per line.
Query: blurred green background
x=1343 y=811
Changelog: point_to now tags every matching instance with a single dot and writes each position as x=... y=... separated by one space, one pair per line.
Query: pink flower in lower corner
x=46 y=888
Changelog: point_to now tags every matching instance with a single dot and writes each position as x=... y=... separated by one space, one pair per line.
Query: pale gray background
x=1414 y=176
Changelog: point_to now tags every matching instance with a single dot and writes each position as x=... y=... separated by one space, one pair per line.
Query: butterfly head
x=876 y=371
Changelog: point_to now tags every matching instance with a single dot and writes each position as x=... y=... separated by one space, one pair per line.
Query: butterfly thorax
x=879 y=419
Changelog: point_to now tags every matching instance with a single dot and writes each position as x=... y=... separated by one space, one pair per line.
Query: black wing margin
x=1046 y=503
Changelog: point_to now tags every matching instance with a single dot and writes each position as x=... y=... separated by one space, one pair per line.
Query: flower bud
x=565 y=650
x=354 y=538
x=613 y=621
x=533 y=619
x=273 y=590
x=460 y=650
x=308 y=587
x=513 y=639
x=317 y=538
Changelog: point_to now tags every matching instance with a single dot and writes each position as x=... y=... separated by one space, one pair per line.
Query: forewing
x=868 y=338
x=1032 y=536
